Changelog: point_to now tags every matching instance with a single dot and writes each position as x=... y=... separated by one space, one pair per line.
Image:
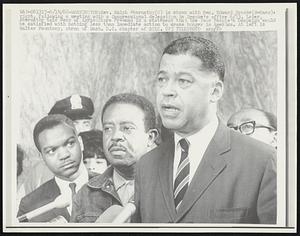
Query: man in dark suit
x=205 y=172
x=56 y=139
x=80 y=110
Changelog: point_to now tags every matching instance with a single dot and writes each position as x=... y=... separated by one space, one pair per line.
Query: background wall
x=56 y=65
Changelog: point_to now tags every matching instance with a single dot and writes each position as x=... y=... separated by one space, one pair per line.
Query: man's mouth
x=117 y=148
x=68 y=164
x=169 y=110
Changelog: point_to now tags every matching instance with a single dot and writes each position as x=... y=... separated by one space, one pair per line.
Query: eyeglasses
x=249 y=127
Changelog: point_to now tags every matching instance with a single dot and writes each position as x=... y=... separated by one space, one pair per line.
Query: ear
x=217 y=91
x=153 y=134
x=81 y=143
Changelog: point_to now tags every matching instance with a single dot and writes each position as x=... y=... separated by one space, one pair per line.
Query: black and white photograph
x=147 y=125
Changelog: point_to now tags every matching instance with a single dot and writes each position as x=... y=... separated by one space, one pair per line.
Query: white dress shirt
x=124 y=188
x=79 y=181
x=198 y=143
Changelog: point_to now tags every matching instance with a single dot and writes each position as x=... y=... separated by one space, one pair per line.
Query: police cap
x=75 y=107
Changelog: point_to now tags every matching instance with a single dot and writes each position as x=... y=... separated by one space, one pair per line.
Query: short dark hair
x=202 y=48
x=130 y=98
x=49 y=122
x=270 y=117
x=92 y=143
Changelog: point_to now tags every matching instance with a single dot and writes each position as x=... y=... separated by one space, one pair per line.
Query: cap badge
x=76 y=102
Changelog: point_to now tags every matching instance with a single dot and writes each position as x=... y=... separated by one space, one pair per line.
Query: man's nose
x=169 y=90
x=117 y=136
x=64 y=153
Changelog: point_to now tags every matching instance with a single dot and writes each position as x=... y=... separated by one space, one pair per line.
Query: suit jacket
x=43 y=195
x=234 y=183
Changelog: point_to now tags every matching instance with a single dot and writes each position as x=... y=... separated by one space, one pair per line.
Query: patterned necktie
x=182 y=176
x=73 y=189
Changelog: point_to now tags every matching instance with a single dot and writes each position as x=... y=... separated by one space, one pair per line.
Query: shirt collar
x=79 y=181
x=119 y=180
x=206 y=133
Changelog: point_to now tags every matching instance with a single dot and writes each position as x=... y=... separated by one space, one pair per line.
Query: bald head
x=256 y=123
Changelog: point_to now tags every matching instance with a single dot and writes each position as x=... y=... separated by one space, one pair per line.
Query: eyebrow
x=184 y=73
x=63 y=144
x=108 y=123
x=121 y=123
x=179 y=73
x=161 y=72
x=245 y=120
x=127 y=122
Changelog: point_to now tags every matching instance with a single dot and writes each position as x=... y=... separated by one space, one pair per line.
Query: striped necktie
x=182 y=176
x=73 y=189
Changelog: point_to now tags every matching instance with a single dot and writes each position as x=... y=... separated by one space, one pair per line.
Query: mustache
x=118 y=145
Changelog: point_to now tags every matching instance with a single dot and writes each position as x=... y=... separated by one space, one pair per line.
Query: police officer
x=78 y=108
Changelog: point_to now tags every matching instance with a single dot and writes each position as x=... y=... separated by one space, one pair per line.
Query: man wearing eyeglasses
x=255 y=123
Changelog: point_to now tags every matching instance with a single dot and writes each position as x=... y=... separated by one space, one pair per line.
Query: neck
x=188 y=132
x=127 y=172
x=70 y=178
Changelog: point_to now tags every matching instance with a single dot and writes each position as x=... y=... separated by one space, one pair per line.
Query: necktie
x=182 y=176
x=73 y=189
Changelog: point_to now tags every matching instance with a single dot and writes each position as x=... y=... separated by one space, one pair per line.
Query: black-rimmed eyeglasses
x=249 y=127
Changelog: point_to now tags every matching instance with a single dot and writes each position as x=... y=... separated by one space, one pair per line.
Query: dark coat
x=234 y=183
x=41 y=196
x=94 y=198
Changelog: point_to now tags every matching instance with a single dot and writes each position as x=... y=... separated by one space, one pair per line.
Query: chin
x=172 y=125
x=70 y=173
x=123 y=164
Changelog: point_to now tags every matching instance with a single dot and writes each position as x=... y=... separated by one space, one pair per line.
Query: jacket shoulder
x=40 y=191
x=251 y=148
x=155 y=154
x=39 y=196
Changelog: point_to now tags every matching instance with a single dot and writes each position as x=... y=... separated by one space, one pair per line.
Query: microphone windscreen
x=58 y=220
x=124 y=216
x=60 y=202
x=109 y=214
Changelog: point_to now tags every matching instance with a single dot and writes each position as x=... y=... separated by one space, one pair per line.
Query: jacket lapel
x=49 y=195
x=166 y=176
x=59 y=211
x=52 y=190
x=210 y=167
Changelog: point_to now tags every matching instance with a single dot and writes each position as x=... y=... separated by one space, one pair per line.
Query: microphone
x=128 y=210
x=109 y=214
x=59 y=220
x=60 y=202
x=117 y=214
